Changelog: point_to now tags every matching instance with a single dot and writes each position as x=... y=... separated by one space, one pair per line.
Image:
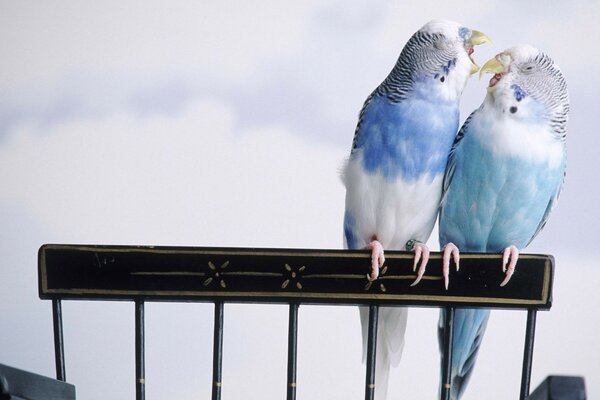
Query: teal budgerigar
x=503 y=178
x=394 y=174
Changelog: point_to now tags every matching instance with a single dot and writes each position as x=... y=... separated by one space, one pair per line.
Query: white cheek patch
x=523 y=135
x=526 y=110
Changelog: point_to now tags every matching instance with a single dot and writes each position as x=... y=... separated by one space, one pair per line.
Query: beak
x=493 y=66
x=476 y=39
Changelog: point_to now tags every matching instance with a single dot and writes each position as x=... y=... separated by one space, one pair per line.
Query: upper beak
x=476 y=39
x=494 y=66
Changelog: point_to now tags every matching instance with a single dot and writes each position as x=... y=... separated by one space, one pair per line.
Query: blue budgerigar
x=394 y=174
x=503 y=178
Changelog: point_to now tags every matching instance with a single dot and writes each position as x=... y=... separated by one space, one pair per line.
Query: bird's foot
x=449 y=251
x=421 y=254
x=377 y=259
x=510 y=257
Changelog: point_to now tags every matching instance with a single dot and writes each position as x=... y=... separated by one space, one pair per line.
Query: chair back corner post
x=59 y=348
x=528 y=353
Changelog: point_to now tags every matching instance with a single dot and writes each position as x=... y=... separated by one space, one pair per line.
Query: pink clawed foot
x=421 y=253
x=377 y=259
x=510 y=257
x=449 y=251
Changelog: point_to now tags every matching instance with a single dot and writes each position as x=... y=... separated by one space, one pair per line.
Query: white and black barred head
x=435 y=62
x=528 y=85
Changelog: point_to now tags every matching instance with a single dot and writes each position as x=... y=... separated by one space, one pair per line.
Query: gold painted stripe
x=546 y=284
x=349 y=296
x=336 y=276
x=44 y=272
x=183 y=273
x=411 y=277
x=363 y=276
x=218 y=384
x=142 y=381
x=232 y=273
x=186 y=273
x=219 y=252
x=275 y=252
x=293 y=384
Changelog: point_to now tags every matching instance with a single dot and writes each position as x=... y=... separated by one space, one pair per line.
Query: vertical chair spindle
x=59 y=348
x=140 y=380
x=447 y=351
x=528 y=353
x=217 y=351
x=292 y=351
x=371 y=353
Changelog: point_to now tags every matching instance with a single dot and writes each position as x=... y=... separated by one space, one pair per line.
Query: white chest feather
x=392 y=211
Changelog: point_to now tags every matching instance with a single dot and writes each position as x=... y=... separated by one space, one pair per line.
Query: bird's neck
x=438 y=93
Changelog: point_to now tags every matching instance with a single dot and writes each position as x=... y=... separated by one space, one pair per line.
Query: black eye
x=513 y=109
x=442 y=79
x=528 y=68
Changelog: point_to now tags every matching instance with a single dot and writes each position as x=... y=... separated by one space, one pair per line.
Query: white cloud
x=41 y=42
x=169 y=175
x=569 y=34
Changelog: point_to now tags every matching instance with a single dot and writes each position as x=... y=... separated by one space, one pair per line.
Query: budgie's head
x=527 y=85
x=438 y=59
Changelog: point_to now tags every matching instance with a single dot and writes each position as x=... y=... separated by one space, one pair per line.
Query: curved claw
x=421 y=253
x=377 y=259
x=449 y=250
x=510 y=253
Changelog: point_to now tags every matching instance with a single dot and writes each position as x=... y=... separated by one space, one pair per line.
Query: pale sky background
x=225 y=124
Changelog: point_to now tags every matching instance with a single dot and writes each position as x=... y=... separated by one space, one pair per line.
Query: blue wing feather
x=405 y=139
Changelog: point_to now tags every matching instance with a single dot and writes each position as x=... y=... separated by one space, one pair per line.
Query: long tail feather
x=390 y=343
x=469 y=328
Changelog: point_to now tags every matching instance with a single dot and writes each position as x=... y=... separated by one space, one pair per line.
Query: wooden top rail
x=93 y=272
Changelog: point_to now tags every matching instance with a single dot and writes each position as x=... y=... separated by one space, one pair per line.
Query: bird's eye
x=528 y=68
